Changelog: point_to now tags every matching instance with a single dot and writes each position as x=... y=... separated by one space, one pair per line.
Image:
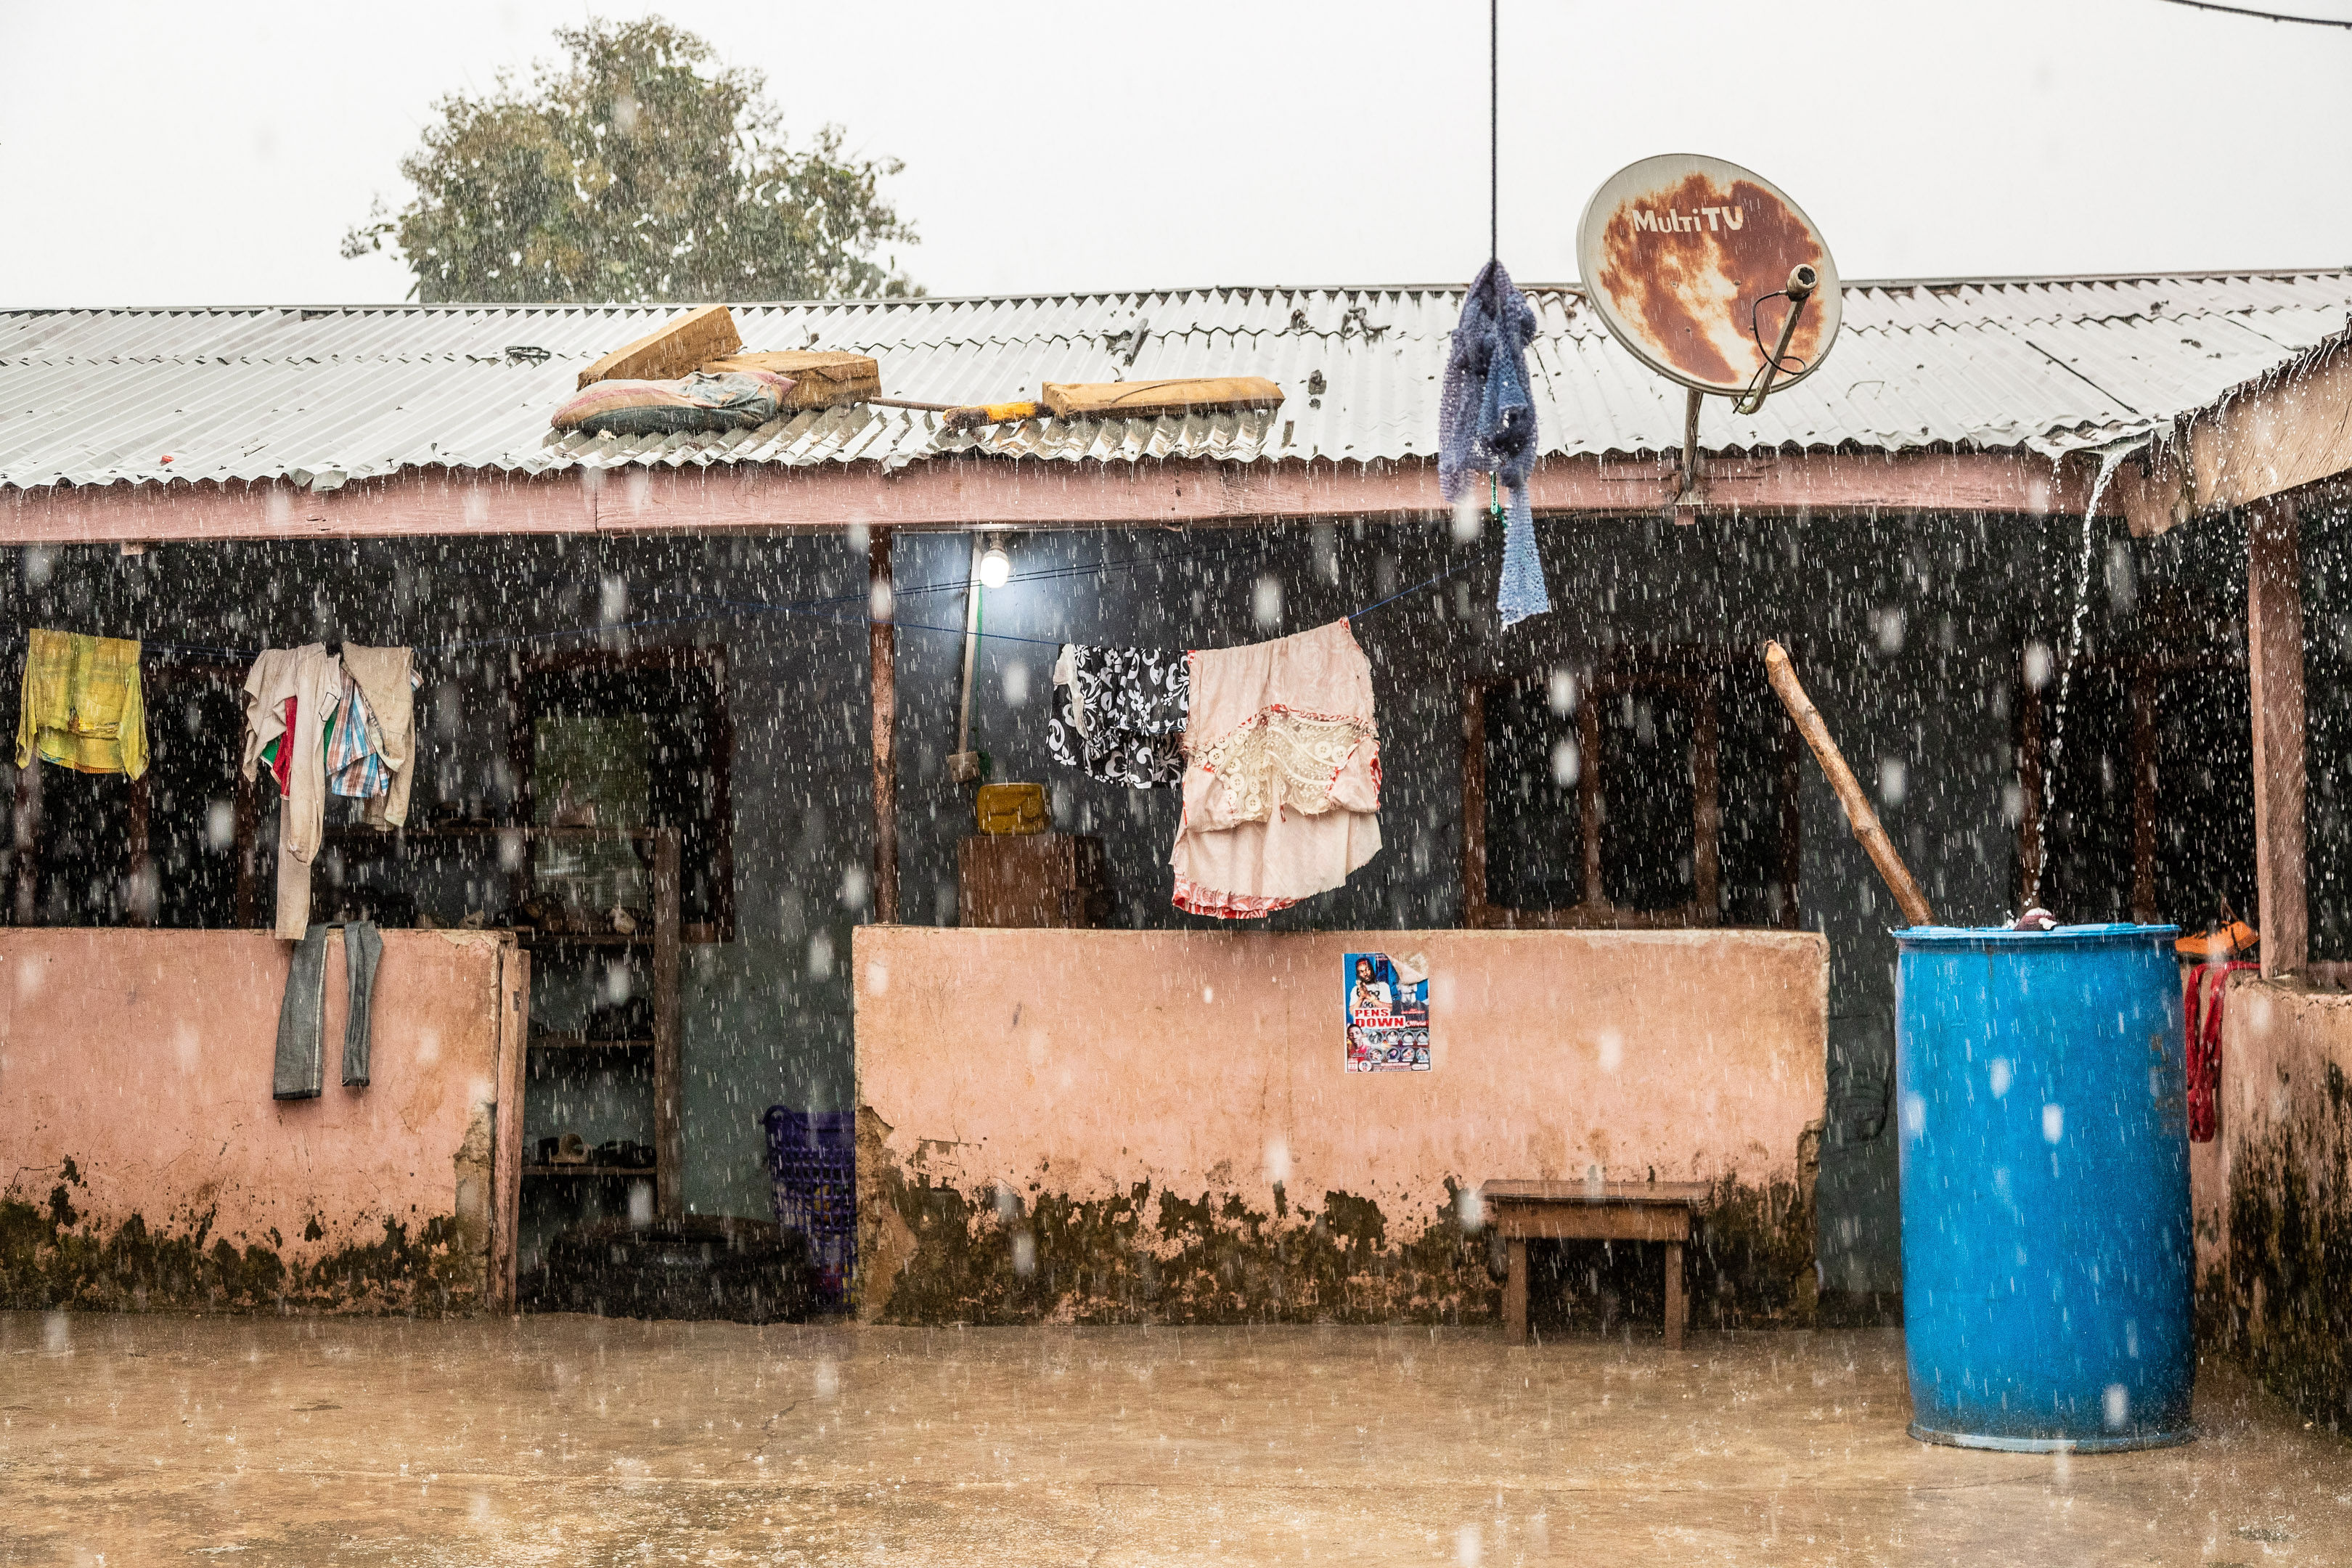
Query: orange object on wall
x=2223 y=942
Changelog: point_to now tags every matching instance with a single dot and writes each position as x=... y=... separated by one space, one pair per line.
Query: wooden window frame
x=1697 y=675
x=522 y=755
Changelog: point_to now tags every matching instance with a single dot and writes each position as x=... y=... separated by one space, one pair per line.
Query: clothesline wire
x=959 y=584
x=1417 y=587
x=192 y=649
x=809 y=608
x=790 y=609
x=812 y=608
x=1046 y=574
x=453 y=646
x=598 y=630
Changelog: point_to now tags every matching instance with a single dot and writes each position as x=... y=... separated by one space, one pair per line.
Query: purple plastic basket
x=812 y=1165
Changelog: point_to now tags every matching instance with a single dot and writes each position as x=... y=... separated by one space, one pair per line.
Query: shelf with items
x=357 y=841
x=488 y=830
x=559 y=1042
x=361 y=833
x=534 y=920
x=575 y=1051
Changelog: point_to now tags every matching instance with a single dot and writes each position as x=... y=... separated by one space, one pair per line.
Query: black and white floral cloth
x=1120 y=713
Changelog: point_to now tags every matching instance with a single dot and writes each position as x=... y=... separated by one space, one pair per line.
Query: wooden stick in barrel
x=1858 y=814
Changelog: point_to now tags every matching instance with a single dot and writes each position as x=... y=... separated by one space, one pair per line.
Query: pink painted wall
x=1199 y=1060
x=145 y=1056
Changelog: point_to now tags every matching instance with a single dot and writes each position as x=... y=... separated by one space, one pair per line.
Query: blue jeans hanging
x=301 y=1018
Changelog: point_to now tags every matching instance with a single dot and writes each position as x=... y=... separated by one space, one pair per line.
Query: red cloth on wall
x=2201 y=1013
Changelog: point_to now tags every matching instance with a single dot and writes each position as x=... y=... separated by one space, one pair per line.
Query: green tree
x=635 y=170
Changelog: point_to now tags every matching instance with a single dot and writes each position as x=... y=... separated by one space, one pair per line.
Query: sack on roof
x=738 y=400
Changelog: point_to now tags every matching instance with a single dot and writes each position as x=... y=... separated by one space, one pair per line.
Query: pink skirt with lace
x=1282 y=784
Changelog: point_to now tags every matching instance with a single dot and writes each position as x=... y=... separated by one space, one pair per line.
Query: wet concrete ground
x=574 y=1440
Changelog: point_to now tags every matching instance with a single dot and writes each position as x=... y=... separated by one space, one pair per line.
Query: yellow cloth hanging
x=83 y=708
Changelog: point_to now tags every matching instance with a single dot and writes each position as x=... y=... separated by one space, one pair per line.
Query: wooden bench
x=1521 y=1211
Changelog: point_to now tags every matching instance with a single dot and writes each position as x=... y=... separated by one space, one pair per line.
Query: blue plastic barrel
x=2046 y=1247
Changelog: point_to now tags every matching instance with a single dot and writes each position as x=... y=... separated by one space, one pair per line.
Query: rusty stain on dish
x=1683 y=263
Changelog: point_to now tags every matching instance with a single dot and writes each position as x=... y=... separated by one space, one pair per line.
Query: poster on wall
x=1387 y=1012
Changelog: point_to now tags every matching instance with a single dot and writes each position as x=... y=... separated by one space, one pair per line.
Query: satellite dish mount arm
x=1802 y=281
x=1690 y=446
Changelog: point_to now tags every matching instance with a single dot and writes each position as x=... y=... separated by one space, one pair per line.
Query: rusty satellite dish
x=1710 y=276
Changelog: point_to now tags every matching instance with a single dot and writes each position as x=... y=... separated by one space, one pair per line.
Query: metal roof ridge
x=1036 y=296
x=2184 y=275
x=1045 y=295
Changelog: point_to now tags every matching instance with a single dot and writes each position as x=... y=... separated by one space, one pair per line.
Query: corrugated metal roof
x=101 y=396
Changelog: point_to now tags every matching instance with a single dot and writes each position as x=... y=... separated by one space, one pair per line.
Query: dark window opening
x=82 y=854
x=195 y=729
x=1647 y=764
x=1658 y=792
x=2148 y=813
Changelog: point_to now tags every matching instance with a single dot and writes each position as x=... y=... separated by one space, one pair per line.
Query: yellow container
x=1011 y=808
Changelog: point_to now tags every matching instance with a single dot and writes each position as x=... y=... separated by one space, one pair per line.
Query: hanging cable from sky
x=1485 y=412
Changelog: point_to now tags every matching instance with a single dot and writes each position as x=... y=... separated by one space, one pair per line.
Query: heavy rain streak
x=827 y=844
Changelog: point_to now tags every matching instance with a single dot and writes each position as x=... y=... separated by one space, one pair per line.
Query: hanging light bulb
x=995 y=567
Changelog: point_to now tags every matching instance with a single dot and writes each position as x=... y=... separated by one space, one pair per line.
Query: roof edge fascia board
x=954 y=494
x=2288 y=429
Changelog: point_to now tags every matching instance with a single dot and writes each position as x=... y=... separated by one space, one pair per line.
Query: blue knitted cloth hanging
x=1486 y=423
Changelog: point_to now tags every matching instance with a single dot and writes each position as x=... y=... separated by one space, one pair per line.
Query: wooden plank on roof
x=1149 y=399
x=820 y=379
x=675 y=348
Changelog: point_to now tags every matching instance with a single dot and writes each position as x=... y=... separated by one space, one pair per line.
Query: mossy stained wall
x=1166 y=1118
x=937 y=1253
x=2275 y=1194
x=144 y=1162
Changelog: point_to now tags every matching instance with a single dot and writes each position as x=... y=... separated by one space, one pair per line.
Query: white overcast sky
x=215 y=153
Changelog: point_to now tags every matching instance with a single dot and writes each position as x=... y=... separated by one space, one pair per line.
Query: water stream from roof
x=2109 y=460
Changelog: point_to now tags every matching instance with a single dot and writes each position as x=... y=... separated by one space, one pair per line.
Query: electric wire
x=805 y=610
x=811 y=609
x=2264 y=15
x=460 y=645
